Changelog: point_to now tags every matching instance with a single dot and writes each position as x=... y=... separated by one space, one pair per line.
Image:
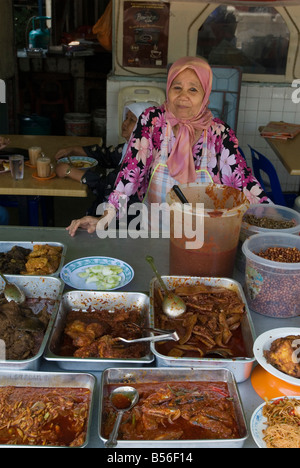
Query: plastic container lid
x=261 y=242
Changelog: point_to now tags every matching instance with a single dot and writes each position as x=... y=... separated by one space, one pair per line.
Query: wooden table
x=288 y=151
x=30 y=187
x=54 y=187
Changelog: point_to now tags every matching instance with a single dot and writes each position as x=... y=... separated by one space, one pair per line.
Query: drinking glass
x=16 y=163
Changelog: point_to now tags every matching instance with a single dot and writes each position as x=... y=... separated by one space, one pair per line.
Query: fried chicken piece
x=43 y=260
x=283 y=355
x=83 y=334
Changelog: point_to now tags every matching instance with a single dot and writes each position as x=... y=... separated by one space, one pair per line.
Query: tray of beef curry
x=25 y=328
x=215 y=331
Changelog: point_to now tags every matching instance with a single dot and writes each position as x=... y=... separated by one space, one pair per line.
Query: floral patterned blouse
x=225 y=165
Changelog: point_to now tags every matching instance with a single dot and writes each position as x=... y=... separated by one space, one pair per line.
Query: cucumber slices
x=104 y=276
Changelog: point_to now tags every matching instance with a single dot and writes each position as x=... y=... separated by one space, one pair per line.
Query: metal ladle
x=12 y=292
x=126 y=395
x=172 y=305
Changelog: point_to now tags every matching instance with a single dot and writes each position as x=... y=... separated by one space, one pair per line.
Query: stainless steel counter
x=133 y=251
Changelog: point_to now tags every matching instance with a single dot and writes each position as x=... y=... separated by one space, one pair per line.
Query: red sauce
x=201 y=262
x=121 y=401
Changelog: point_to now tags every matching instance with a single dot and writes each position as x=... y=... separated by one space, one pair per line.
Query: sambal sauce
x=120 y=401
x=175 y=411
x=44 y=416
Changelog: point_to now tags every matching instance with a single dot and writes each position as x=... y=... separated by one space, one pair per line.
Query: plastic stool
x=261 y=164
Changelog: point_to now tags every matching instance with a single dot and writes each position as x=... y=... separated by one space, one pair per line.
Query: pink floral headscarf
x=180 y=162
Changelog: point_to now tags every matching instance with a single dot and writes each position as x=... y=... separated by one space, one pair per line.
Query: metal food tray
x=241 y=366
x=135 y=376
x=37 y=287
x=82 y=300
x=47 y=380
x=6 y=246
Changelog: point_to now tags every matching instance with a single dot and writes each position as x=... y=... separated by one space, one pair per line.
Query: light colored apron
x=161 y=182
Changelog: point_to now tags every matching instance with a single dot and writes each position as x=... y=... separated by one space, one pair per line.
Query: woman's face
x=128 y=125
x=185 y=95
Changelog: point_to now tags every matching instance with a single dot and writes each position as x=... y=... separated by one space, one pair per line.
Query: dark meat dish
x=20 y=342
x=93 y=334
x=283 y=355
x=175 y=411
x=211 y=322
x=14 y=261
x=41 y=260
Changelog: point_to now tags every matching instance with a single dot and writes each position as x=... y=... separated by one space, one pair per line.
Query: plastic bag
x=103 y=28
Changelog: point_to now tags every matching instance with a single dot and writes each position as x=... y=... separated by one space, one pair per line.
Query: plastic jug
x=217 y=210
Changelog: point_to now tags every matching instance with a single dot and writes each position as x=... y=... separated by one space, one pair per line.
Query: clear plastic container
x=272 y=288
x=274 y=212
x=214 y=212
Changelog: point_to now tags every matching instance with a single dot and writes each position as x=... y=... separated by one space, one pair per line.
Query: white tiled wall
x=259 y=104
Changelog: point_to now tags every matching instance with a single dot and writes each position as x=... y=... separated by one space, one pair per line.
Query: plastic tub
x=274 y=212
x=272 y=288
x=214 y=214
x=78 y=124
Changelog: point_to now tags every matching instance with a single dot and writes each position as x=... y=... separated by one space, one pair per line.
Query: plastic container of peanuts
x=271 y=214
x=272 y=287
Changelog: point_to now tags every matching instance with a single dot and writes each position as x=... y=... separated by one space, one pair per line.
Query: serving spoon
x=172 y=305
x=12 y=292
x=122 y=400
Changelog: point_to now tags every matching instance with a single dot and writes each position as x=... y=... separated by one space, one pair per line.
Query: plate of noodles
x=276 y=423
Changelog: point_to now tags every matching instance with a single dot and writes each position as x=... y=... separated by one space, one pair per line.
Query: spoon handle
x=3 y=277
x=179 y=194
x=150 y=260
x=112 y=441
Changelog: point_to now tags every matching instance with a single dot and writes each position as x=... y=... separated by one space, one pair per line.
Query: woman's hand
x=4 y=142
x=61 y=170
x=70 y=151
x=91 y=223
x=88 y=223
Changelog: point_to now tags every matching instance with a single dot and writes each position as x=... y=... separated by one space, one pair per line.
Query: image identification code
x=154 y=457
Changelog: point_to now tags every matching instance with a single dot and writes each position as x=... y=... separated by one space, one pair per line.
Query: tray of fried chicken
x=88 y=325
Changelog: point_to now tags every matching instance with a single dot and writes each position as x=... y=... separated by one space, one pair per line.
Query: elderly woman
x=179 y=142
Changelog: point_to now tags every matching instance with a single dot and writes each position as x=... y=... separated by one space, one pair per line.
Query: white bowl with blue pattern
x=258 y=423
x=80 y=162
x=70 y=272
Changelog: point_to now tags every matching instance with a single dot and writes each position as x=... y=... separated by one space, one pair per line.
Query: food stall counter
x=134 y=251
